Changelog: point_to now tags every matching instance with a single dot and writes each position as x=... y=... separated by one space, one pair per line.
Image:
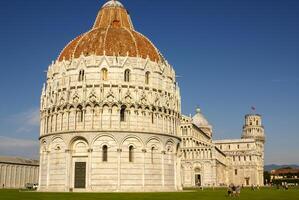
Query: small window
x=250 y=158
x=153 y=118
x=248 y=146
x=238 y=146
x=81 y=75
x=234 y=159
x=131 y=154
x=236 y=172
x=152 y=154
x=104 y=74
x=123 y=114
x=244 y=158
x=127 y=75
x=239 y=158
x=147 y=77
x=105 y=153
x=228 y=146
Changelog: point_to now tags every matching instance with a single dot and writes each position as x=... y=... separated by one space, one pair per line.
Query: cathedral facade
x=209 y=163
x=111 y=118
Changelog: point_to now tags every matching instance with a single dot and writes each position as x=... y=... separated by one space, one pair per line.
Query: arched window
x=147 y=77
x=105 y=153
x=81 y=75
x=257 y=123
x=131 y=154
x=152 y=154
x=127 y=75
x=80 y=114
x=123 y=114
x=104 y=74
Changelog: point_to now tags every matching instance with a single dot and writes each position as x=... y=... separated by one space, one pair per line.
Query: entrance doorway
x=197 y=180
x=247 y=181
x=80 y=175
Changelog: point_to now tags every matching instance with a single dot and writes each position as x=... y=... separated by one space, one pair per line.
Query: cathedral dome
x=199 y=119
x=113 y=34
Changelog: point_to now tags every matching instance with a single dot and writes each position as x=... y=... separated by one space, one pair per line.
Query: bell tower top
x=253 y=127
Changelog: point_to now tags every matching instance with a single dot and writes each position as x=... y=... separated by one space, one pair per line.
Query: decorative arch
x=97 y=142
x=78 y=138
x=57 y=144
x=127 y=140
x=154 y=141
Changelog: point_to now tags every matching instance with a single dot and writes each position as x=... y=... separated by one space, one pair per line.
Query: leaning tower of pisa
x=254 y=129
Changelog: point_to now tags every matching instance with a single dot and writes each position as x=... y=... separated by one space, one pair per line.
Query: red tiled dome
x=112 y=34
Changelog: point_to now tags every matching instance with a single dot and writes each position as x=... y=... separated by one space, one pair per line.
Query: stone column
x=68 y=120
x=8 y=180
x=101 y=117
x=89 y=172
x=46 y=124
x=48 y=168
x=56 y=124
x=41 y=160
x=13 y=177
x=163 y=123
x=84 y=114
x=119 y=170
x=143 y=171
x=61 y=120
x=163 y=168
x=92 y=118
x=18 y=177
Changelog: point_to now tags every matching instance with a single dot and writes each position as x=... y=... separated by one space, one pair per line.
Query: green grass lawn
x=207 y=194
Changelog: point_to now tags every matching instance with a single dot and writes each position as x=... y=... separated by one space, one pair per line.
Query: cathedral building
x=111 y=120
x=207 y=162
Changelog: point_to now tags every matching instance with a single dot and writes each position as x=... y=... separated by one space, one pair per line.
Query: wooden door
x=80 y=174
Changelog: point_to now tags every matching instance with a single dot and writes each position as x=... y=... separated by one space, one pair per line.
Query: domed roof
x=199 y=119
x=112 y=3
x=112 y=34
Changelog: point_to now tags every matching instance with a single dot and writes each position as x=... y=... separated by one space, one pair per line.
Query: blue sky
x=230 y=55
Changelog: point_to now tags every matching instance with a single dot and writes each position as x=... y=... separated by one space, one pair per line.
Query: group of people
x=233 y=191
x=285 y=186
x=255 y=187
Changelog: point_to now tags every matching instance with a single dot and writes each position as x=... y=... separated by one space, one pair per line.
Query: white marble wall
x=16 y=176
x=154 y=166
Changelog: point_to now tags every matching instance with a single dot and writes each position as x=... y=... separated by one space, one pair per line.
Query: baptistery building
x=111 y=120
x=110 y=112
